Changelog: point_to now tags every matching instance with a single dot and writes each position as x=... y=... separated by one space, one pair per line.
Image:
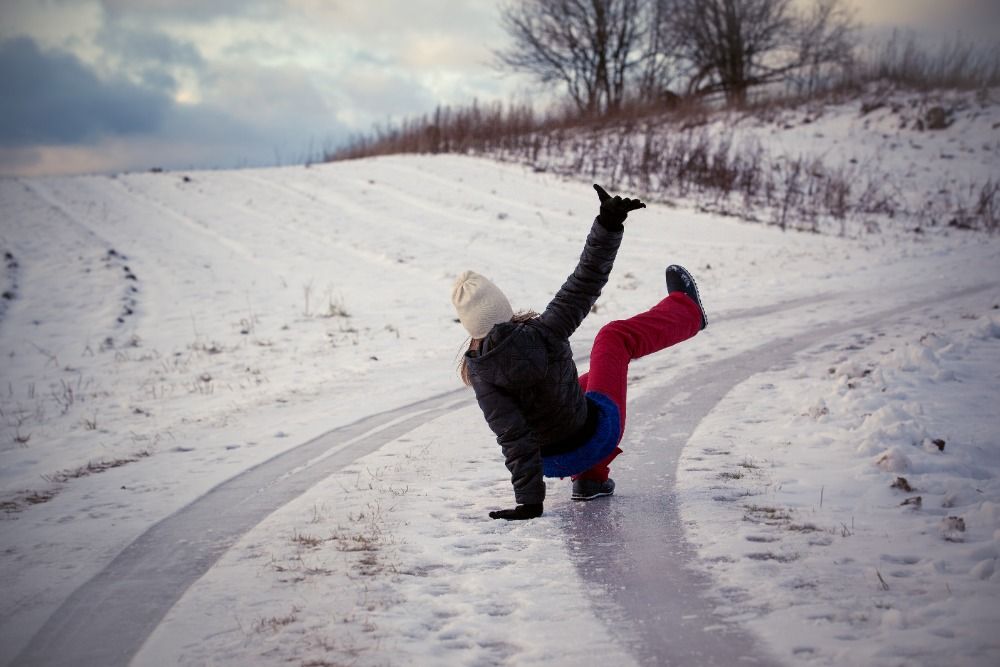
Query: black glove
x=614 y=210
x=519 y=513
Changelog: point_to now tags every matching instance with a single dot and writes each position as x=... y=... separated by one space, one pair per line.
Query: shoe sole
x=697 y=294
x=596 y=495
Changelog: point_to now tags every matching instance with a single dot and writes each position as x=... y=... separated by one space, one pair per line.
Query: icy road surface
x=218 y=432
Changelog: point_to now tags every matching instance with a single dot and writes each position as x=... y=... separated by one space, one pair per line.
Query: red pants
x=669 y=322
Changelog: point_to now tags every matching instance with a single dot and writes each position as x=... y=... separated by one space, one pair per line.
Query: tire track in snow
x=87 y=234
x=321 y=242
x=107 y=619
x=46 y=195
x=634 y=549
x=147 y=200
x=359 y=216
x=473 y=193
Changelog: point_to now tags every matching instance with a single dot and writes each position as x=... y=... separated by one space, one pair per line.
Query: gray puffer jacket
x=524 y=376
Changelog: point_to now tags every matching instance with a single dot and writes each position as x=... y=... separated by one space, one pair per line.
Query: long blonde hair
x=473 y=344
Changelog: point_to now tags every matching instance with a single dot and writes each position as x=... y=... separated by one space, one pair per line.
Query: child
x=548 y=421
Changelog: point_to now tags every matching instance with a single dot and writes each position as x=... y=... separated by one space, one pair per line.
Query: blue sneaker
x=679 y=279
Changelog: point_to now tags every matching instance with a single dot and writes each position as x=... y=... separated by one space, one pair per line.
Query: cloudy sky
x=102 y=85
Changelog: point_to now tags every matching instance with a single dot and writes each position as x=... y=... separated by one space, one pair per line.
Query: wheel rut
x=637 y=540
x=633 y=551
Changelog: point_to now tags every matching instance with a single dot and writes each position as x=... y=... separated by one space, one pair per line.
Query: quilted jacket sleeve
x=521 y=449
x=578 y=294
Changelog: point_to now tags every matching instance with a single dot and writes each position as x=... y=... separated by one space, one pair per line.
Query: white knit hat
x=480 y=304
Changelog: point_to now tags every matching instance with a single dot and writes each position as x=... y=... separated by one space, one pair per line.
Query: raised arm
x=580 y=291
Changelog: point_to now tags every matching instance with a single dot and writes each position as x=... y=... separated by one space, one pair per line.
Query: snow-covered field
x=848 y=504
x=165 y=332
x=844 y=165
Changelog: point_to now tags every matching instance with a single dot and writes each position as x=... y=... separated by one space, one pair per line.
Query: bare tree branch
x=732 y=45
x=606 y=52
x=593 y=47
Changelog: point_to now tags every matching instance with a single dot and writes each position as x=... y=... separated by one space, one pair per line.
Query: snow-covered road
x=105 y=621
x=247 y=467
x=634 y=549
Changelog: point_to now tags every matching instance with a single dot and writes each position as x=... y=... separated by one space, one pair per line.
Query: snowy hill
x=165 y=332
x=883 y=160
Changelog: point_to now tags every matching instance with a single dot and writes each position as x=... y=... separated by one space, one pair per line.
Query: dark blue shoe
x=678 y=279
x=588 y=489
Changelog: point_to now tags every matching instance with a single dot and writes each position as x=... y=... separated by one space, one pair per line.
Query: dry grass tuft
x=95 y=467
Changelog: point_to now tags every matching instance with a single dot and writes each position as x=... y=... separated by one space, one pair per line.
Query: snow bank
x=854 y=518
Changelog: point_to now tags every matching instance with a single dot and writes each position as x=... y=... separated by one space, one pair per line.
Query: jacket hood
x=515 y=356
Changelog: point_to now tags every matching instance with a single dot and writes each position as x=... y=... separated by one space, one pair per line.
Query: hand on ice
x=519 y=513
x=614 y=210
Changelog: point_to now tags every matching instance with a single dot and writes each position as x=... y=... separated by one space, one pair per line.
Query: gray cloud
x=378 y=92
x=191 y=10
x=158 y=78
x=52 y=97
x=253 y=113
x=227 y=82
x=140 y=44
x=273 y=105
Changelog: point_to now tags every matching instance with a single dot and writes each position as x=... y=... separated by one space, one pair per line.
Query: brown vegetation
x=658 y=143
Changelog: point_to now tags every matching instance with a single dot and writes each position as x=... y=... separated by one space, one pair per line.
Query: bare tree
x=593 y=47
x=825 y=35
x=732 y=45
x=726 y=42
x=659 y=62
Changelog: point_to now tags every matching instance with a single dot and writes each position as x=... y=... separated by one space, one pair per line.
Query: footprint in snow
x=900 y=560
x=496 y=609
x=770 y=555
x=439 y=589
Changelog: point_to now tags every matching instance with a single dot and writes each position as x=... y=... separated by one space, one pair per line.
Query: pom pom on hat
x=479 y=303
